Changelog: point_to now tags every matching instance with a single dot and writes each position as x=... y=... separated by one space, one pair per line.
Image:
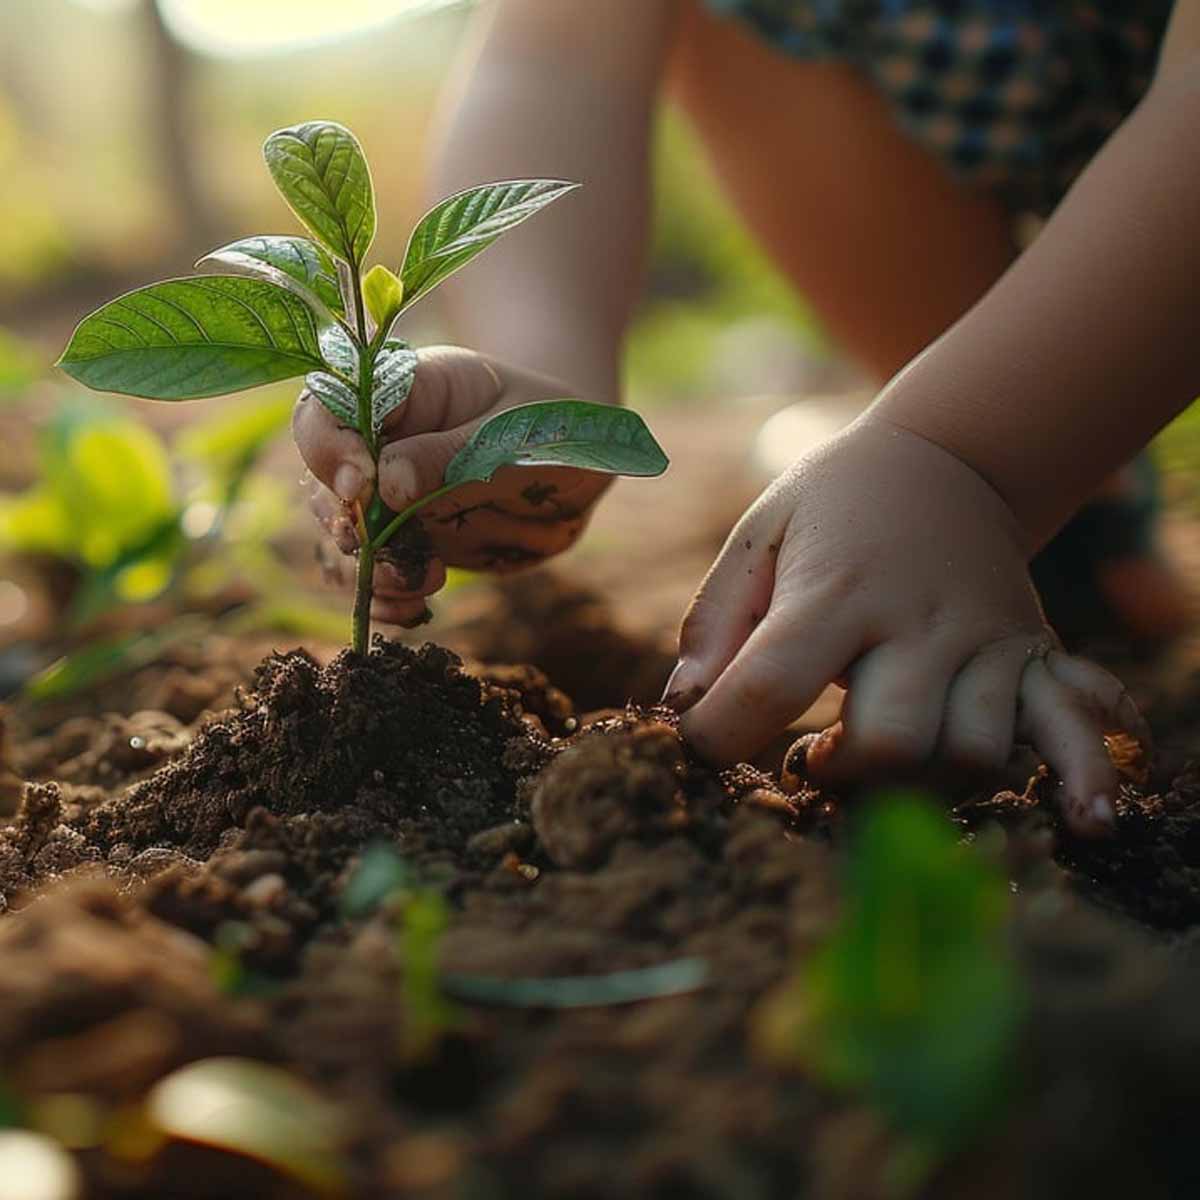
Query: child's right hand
x=523 y=516
x=882 y=560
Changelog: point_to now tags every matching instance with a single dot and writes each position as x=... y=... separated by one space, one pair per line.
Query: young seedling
x=383 y=877
x=292 y=306
x=914 y=1001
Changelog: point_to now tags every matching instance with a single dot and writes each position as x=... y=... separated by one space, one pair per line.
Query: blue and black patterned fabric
x=1016 y=95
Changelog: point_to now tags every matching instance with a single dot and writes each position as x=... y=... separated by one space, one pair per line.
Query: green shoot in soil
x=381 y=878
x=914 y=1001
x=287 y=306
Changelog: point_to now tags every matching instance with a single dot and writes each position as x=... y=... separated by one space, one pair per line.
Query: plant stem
x=390 y=530
x=363 y=590
x=364 y=581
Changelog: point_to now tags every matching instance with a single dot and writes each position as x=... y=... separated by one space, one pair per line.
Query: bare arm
x=1091 y=341
x=564 y=89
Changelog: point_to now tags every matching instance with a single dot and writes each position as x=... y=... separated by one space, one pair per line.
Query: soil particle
x=606 y=788
x=97 y=996
x=402 y=739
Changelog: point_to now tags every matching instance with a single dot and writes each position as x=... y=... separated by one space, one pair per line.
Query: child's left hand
x=521 y=517
x=883 y=561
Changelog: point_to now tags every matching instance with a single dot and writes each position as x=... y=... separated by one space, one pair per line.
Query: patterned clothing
x=1015 y=95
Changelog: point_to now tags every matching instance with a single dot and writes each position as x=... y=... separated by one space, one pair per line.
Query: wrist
x=1041 y=478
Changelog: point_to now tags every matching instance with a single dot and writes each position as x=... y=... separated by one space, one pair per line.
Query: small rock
x=501 y=839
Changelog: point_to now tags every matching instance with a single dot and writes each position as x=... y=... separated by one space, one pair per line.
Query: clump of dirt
x=1150 y=869
x=401 y=744
x=563 y=848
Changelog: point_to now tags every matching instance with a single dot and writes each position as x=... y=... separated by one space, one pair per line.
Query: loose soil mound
x=562 y=851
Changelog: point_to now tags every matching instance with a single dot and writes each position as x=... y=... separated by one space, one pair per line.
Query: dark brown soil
x=564 y=848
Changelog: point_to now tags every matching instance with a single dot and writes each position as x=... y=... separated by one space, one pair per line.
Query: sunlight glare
x=233 y=28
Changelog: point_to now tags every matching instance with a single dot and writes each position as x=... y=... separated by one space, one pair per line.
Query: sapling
x=286 y=306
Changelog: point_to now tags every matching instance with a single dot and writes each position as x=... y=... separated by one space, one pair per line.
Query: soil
x=565 y=845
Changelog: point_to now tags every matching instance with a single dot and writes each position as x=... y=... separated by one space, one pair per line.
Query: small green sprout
x=289 y=306
x=915 y=1000
x=381 y=878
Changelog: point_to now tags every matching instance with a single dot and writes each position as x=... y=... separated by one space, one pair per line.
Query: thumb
x=453 y=389
x=415 y=466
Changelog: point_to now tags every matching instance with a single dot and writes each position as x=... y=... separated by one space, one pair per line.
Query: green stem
x=363 y=591
x=364 y=582
x=389 y=531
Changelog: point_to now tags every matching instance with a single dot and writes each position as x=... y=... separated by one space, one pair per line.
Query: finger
x=1106 y=694
x=415 y=466
x=981 y=707
x=398 y=586
x=892 y=712
x=406 y=613
x=452 y=386
x=1065 y=731
x=727 y=608
x=773 y=678
x=337 y=456
x=334 y=516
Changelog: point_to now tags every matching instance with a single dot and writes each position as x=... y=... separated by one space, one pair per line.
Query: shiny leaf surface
x=295 y=263
x=564 y=433
x=188 y=338
x=321 y=171
x=395 y=369
x=462 y=226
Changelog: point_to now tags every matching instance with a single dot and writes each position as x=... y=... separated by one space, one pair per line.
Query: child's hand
x=521 y=517
x=883 y=561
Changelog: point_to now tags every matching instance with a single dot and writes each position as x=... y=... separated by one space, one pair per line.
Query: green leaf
x=245 y=1107
x=383 y=292
x=335 y=395
x=915 y=1000
x=380 y=873
x=582 y=991
x=338 y=350
x=321 y=171
x=462 y=226
x=188 y=338
x=395 y=369
x=295 y=263
x=562 y=433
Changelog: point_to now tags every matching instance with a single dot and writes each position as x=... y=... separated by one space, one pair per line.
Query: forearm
x=1091 y=341
x=557 y=91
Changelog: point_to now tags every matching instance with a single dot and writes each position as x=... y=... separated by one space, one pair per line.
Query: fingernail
x=1101 y=810
x=681 y=692
x=403 y=482
x=348 y=482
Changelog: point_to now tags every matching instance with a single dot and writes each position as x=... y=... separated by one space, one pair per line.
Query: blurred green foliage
x=915 y=1001
x=383 y=878
x=19 y=365
x=104 y=501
